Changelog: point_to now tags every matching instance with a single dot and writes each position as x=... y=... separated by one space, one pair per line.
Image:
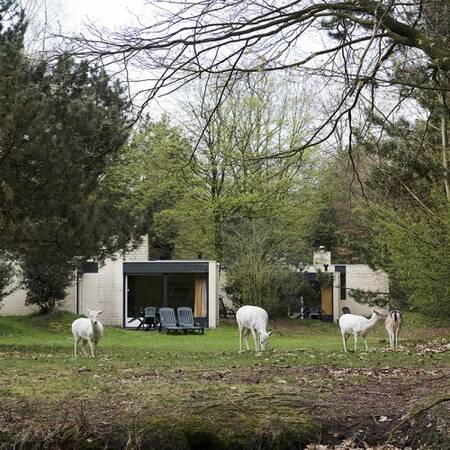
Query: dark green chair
x=150 y=317
x=186 y=320
x=168 y=321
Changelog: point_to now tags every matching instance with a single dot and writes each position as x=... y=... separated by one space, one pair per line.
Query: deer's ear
x=88 y=310
x=99 y=312
x=380 y=312
x=270 y=332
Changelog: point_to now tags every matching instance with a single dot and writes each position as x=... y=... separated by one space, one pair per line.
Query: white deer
x=253 y=319
x=87 y=330
x=359 y=326
x=393 y=325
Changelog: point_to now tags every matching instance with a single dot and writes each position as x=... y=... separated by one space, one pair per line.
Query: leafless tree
x=353 y=46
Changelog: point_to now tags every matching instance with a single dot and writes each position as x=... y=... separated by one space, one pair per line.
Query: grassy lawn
x=152 y=390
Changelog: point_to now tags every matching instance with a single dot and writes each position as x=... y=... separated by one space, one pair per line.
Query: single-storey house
x=123 y=286
x=345 y=279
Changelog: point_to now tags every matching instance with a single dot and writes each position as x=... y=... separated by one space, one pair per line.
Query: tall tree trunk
x=218 y=236
x=445 y=154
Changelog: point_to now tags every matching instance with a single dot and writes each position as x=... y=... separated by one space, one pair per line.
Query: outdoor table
x=140 y=319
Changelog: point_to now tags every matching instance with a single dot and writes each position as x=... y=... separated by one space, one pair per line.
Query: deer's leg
x=355 y=337
x=82 y=346
x=344 y=340
x=92 y=346
x=240 y=339
x=255 y=339
x=246 y=333
x=365 y=342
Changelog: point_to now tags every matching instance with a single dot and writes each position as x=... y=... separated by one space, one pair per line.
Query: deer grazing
x=253 y=319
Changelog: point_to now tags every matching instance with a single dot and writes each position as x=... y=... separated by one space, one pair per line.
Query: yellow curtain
x=198 y=297
x=200 y=307
x=327 y=300
x=204 y=298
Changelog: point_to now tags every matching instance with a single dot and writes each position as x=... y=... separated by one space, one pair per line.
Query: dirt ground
x=154 y=392
x=365 y=406
x=355 y=408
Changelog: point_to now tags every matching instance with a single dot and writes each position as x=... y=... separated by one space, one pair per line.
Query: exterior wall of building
x=337 y=311
x=14 y=304
x=97 y=291
x=213 y=294
x=140 y=253
x=103 y=291
x=70 y=302
x=362 y=277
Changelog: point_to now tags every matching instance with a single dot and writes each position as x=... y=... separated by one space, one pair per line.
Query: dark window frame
x=342 y=281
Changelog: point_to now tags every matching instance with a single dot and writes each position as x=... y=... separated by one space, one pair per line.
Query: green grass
x=137 y=372
x=37 y=351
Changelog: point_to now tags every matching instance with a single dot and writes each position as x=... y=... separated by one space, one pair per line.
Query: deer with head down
x=253 y=319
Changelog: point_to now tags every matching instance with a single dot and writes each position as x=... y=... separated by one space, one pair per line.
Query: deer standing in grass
x=87 y=330
x=359 y=326
x=253 y=319
x=393 y=325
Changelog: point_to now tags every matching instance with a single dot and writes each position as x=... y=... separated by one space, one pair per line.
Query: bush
x=258 y=273
x=46 y=278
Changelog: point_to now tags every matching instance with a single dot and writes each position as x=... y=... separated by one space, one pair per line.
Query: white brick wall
x=213 y=294
x=361 y=276
x=104 y=291
x=140 y=253
x=14 y=304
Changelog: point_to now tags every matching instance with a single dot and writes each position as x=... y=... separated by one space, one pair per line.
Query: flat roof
x=166 y=266
x=170 y=260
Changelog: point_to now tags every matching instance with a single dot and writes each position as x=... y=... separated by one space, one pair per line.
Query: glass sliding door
x=181 y=290
x=172 y=290
x=188 y=289
x=142 y=291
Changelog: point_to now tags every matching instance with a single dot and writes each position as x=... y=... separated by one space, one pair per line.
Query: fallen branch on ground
x=413 y=415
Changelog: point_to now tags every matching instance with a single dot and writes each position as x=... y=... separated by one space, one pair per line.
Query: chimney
x=321 y=258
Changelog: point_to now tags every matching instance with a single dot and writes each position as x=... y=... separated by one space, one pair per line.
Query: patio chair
x=346 y=310
x=316 y=312
x=319 y=314
x=150 y=317
x=168 y=320
x=186 y=320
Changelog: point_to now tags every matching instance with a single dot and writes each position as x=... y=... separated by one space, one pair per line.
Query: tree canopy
x=307 y=122
x=62 y=126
